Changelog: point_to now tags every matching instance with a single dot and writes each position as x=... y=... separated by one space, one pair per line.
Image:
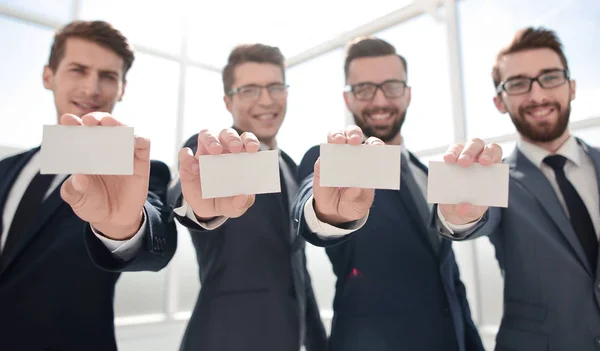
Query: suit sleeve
x=160 y=239
x=487 y=225
x=305 y=192
x=316 y=336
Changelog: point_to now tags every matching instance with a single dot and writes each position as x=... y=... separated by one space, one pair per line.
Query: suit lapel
x=9 y=176
x=420 y=206
x=594 y=155
x=285 y=197
x=407 y=198
x=50 y=205
x=528 y=174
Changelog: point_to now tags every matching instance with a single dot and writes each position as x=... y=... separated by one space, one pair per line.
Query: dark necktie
x=418 y=198
x=578 y=213
x=27 y=209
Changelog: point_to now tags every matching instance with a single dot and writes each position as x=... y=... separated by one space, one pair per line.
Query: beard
x=542 y=132
x=385 y=133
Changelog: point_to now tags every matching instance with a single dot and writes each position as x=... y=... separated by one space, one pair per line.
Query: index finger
x=336 y=137
x=208 y=144
x=110 y=121
x=354 y=135
x=94 y=118
x=251 y=143
x=491 y=154
x=231 y=141
x=451 y=155
x=69 y=119
x=471 y=152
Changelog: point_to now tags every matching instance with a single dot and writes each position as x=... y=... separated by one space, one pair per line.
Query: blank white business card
x=477 y=184
x=87 y=150
x=239 y=174
x=360 y=166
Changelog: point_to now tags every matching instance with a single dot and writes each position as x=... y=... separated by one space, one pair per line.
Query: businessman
x=256 y=292
x=398 y=285
x=546 y=240
x=52 y=297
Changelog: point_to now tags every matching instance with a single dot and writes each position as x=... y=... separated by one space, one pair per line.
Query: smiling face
x=380 y=116
x=260 y=99
x=88 y=78
x=540 y=115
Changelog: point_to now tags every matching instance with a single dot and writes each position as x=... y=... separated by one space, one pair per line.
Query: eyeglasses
x=522 y=85
x=366 y=91
x=253 y=91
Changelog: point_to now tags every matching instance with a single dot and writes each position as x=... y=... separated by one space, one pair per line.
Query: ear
x=123 y=90
x=408 y=94
x=48 y=77
x=572 y=85
x=228 y=103
x=346 y=100
x=500 y=104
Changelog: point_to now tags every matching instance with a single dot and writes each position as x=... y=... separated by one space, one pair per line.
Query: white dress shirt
x=579 y=169
x=327 y=231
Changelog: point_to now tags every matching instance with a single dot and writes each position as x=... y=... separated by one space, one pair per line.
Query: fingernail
x=485 y=158
x=235 y=143
x=213 y=145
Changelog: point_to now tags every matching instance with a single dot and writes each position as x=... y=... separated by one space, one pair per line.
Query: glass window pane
x=429 y=120
x=204 y=106
x=25 y=106
x=60 y=11
x=323 y=281
x=490 y=283
x=150 y=104
x=152 y=24
x=486 y=26
x=185 y=269
x=254 y=21
x=139 y=293
x=591 y=135
x=315 y=103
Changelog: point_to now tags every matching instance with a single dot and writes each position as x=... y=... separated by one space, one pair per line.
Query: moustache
x=531 y=107
x=376 y=110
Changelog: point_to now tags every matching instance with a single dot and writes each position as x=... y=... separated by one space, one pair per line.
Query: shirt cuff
x=186 y=210
x=325 y=230
x=124 y=249
x=455 y=228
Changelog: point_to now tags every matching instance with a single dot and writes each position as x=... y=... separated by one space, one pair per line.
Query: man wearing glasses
x=546 y=240
x=398 y=284
x=256 y=292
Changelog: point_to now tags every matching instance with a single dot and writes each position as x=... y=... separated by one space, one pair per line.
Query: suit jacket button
x=598 y=342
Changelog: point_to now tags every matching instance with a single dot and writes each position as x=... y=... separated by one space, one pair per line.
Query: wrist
x=119 y=232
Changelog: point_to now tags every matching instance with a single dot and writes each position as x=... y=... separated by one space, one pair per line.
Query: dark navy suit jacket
x=52 y=297
x=393 y=290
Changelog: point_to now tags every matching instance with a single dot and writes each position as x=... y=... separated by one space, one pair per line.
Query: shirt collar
x=536 y=154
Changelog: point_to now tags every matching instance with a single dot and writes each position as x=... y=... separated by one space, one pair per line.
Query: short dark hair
x=526 y=39
x=99 y=32
x=259 y=53
x=370 y=47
